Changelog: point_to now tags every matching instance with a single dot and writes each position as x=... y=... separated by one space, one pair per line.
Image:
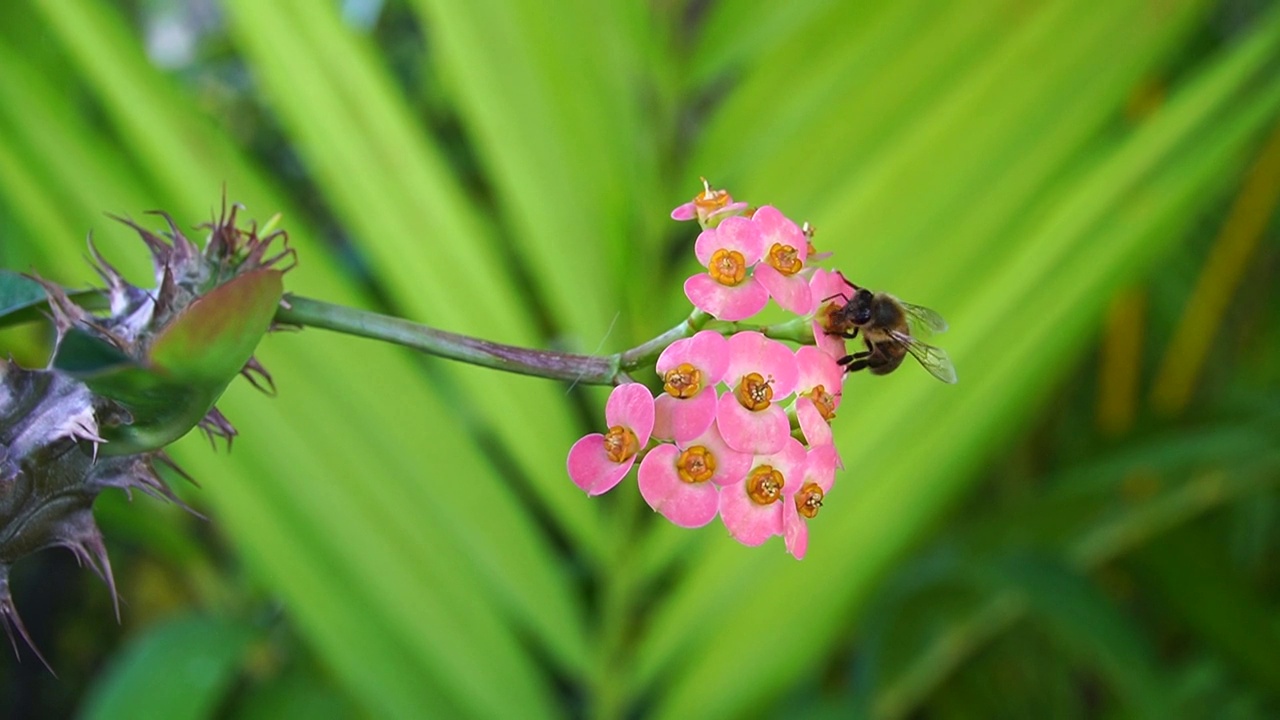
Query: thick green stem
x=646 y=353
x=582 y=369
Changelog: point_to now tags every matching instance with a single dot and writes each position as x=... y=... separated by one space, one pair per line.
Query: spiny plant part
x=123 y=384
x=739 y=424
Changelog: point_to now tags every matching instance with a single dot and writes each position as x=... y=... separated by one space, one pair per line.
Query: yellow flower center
x=695 y=465
x=754 y=392
x=728 y=267
x=764 y=485
x=684 y=381
x=824 y=401
x=620 y=444
x=828 y=317
x=809 y=500
x=785 y=258
x=708 y=201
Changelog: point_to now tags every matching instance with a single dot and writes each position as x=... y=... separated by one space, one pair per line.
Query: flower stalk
x=551 y=364
x=587 y=369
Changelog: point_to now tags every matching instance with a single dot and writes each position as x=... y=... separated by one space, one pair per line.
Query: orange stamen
x=621 y=444
x=728 y=267
x=764 y=485
x=695 y=465
x=785 y=259
x=824 y=401
x=754 y=392
x=809 y=500
x=684 y=381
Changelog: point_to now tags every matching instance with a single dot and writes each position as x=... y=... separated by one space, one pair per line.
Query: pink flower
x=682 y=481
x=708 y=206
x=761 y=374
x=819 y=475
x=814 y=255
x=752 y=508
x=686 y=211
x=785 y=250
x=726 y=290
x=599 y=462
x=830 y=292
x=689 y=368
x=817 y=393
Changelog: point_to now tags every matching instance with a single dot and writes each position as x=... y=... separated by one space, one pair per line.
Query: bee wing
x=934 y=359
x=923 y=318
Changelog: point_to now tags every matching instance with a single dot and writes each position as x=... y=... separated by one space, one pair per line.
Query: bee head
x=862 y=305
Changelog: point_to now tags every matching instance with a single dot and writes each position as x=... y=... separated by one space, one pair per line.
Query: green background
x=1086 y=525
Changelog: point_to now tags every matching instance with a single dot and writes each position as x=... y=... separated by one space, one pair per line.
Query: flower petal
x=707 y=350
x=778 y=228
x=830 y=286
x=724 y=302
x=687 y=211
x=717 y=216
x=731 y=465
x=753 y=352
x=733 y=233
x=795 y=530
x=685 y=504
x=834 y=345
x=791 y=460
x=747 y=522
x=791 y=292
x=683 y=419
x=829 y=290
x=756 y=432
x=815 y=428
x=591 y=469
x=631 y=406
x=819 y=368
x=820 y=467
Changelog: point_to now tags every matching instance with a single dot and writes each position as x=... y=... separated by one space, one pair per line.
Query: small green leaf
x=188 y=367
x=18 y=293
x=84 y=355
x=178 y=669
x=21 y=298
x=214 y=337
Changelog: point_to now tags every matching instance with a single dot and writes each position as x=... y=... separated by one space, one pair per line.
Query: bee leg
x=857 y=365
x=877 y=363
x=855 y=362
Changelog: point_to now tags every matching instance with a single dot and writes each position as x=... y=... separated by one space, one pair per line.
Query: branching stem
x=572 y=367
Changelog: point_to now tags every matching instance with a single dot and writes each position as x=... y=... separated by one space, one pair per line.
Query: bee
x=886 y=324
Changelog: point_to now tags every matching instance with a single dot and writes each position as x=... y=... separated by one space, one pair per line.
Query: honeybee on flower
x=741 y=425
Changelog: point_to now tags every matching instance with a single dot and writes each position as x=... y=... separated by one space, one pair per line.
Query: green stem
x=646 y=352
x=798 y=330
x=582 y=369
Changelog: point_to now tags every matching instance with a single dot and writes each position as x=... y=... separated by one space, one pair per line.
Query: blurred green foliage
x=1085 y=526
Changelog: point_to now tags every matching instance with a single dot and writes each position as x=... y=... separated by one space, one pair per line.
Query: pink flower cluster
x=741 y=427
